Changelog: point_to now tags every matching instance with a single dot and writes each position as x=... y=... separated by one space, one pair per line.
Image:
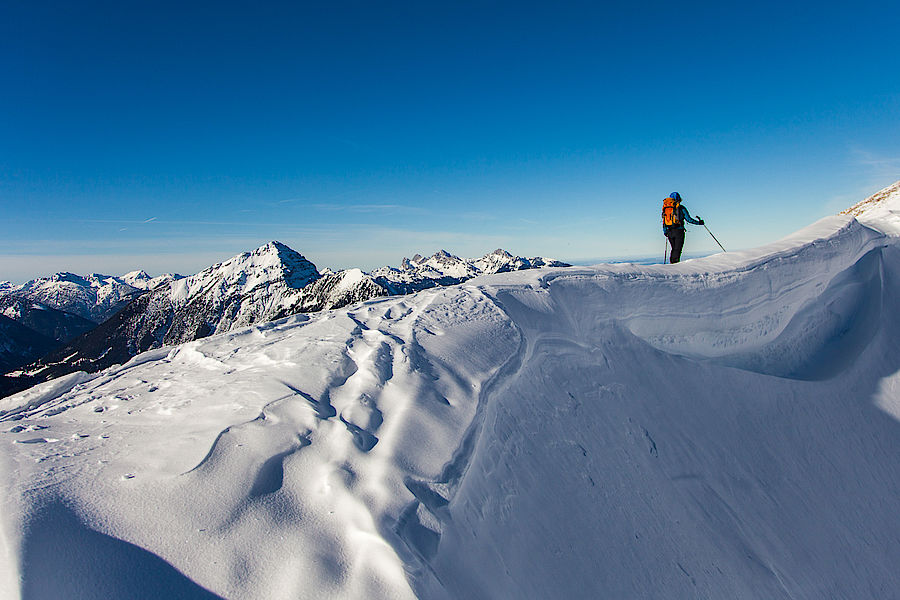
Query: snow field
x=725 y=427
x=607 y=466
x=272 y=433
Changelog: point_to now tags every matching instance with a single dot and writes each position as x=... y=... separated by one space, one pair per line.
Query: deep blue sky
x=170 y=135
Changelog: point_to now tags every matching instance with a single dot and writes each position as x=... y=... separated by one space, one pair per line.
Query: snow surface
x=722 y=428
x=880 y=210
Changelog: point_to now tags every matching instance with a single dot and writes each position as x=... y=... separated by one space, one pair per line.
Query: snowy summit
x=726 y=427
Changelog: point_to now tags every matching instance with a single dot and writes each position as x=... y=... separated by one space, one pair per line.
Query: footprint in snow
x=364 y=440
x=21 y=428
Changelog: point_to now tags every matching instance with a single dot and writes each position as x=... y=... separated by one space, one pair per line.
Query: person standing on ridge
x=674 y=215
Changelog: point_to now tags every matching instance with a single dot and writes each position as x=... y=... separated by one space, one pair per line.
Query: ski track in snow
x=604 y=431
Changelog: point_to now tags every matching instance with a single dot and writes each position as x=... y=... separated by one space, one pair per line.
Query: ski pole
x=666 y=252
x=714 y=237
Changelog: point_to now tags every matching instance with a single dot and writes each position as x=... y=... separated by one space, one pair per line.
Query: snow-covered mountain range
x=52 y=311
x=93 y=297
x=726 y=427
x=269 y=283
x=442 y=268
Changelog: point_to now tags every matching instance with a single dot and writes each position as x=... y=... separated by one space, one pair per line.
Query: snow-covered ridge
x=882 y=209
x=886 y=198
x=725 y=427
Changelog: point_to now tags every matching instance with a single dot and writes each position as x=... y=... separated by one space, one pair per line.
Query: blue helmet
x=675 y=196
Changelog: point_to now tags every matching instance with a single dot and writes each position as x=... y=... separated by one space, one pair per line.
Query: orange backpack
x=670 y=212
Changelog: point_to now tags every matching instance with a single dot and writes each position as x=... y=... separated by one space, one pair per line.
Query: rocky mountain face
x=269 y=283
x=47 y=321
x=337 y=289
x=248 y=288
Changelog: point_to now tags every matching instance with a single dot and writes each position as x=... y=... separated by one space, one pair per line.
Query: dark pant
x=676 y=238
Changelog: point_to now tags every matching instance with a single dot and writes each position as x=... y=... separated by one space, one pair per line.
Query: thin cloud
x=878 y=165
x=347 y=142
x=191 y=223
x=875 y=172
x=363 y=208
x=478 y=216
x=149 y=220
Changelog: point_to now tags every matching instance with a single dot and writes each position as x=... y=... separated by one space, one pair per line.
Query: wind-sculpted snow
x=304 y=433
x=767 y=314
x=722 y=428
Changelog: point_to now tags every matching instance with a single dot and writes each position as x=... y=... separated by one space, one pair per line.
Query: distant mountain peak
x=444 y=268
x=248 y=273
x=275 y=251
x=65 y=276
x=276 y=246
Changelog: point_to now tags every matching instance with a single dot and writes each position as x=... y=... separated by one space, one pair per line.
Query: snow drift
x=725 y=427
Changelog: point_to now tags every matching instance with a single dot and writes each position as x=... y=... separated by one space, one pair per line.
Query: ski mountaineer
x=674 y=215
